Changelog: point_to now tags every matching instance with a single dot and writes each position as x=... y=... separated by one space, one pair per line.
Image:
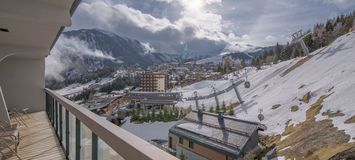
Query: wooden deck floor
x=38 y=140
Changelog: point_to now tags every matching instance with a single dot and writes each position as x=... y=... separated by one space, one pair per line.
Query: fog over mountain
x=88 y=50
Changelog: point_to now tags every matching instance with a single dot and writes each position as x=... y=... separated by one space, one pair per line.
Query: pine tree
x=242 y=63
x=329 y=26
x=211 y=109
x=231 y=112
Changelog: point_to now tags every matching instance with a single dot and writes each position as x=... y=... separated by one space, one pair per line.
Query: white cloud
x=147 y=48
x=270 y=38
x=57 y=62
x=337 y=2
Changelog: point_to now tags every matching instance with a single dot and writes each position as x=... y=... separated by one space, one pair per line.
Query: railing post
x=94 y=145
x=60 y=123
x=67 y=134
x=46 y=99
x=77 y=139
x=52 y=109
x=56 y=117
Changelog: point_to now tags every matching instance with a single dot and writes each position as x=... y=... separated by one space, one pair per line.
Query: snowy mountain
x=96 y=53
x=128 y=51
x=246 y=54
x=307 y=103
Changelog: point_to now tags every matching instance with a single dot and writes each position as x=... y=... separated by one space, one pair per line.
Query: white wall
x=22 y=82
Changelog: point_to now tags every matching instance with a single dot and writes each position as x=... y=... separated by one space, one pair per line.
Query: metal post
x=46 y=99
x=94 y=141
x=56 y=117
x=52 y=109
x=238 y=95
x=196 y=100
x=67 y=134
x=216 y=97
x=77 y=139
x=304 y=47
x=60 y=123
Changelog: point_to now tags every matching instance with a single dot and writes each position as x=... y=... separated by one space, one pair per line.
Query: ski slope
x=330 y=70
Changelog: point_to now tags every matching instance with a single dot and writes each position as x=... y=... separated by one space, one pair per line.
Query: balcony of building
x=66 y=130
x=56 y=127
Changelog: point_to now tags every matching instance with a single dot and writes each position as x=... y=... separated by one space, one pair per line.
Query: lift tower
x=297 y=37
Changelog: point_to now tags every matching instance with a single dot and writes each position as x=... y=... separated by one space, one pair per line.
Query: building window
x=181 y=140
x=170 y=142
x=191 y=144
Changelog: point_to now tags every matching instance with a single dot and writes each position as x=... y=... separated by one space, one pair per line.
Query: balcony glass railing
x=85 y=135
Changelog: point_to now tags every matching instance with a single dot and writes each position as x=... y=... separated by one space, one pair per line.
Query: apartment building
x=203 y=136
x=153 y=82
x=55 y=127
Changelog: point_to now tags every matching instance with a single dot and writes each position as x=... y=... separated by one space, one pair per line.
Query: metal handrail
x=123 y=142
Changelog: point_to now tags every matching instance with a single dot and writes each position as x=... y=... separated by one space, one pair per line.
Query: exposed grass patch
x=288 y=128
x=331 y=150
x=294 y=108
x=350 y=120
x=331 y=114
x=275 y=106
x=315 y=108
x=268 y=140
x=306 y=97
x=296 y=65
x=312 y=139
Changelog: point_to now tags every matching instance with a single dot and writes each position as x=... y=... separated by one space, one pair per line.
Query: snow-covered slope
x=330 y=70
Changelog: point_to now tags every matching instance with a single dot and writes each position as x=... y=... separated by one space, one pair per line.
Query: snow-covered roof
x=229 y=135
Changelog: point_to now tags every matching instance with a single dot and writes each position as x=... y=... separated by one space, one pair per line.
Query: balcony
x=68 y=131
x=38 y=140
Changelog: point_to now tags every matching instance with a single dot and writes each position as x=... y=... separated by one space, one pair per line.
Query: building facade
x=202 y=136
x=154 y=82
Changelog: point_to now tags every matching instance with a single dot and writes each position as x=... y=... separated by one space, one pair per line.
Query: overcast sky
x=206 y=26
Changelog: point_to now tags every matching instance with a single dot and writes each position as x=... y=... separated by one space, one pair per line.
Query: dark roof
x=229 y=136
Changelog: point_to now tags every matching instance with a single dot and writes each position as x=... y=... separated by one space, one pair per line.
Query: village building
x=202 y=136
x=154 y=82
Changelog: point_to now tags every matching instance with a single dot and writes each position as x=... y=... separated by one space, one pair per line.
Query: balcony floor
x=38 y=140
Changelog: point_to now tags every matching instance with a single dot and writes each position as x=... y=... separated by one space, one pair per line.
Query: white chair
x=6 y=143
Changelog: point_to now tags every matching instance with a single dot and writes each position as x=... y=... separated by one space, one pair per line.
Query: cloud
x=195 y=23
x=270 y=38
x=57 y=61
x=147 y=48
x=167 y=25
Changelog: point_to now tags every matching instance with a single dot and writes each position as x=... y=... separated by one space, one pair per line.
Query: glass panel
x=64 y=129
x=105 y=152
x=71 y=136
x=86 y=143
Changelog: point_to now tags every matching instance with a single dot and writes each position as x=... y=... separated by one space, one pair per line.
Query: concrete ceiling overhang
x=33 y=26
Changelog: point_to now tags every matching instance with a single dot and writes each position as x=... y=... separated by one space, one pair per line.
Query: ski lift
x=261 y=116
x=247 y=84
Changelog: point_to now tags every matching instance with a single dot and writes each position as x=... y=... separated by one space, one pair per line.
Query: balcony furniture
x=6 y=143
x=9 y=130
x=18 y=117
